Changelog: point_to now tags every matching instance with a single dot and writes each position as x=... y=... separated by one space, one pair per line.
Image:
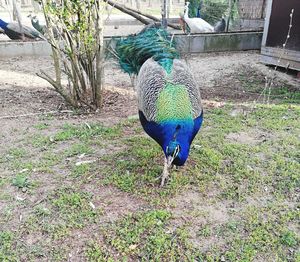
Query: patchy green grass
x=245 y=159
x=78 y=149
x=266 y=235
x=41 y=126
x=74 y=207
x=85 y=131
x=7 y=249
x=96 y=252
x=238 y=169
x=147 y=236
x=253 y=82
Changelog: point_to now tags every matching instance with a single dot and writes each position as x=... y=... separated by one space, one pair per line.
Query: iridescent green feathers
x=136 y=49
x=173 y=103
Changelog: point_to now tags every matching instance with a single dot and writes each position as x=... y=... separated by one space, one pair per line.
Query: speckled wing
x=28 y=31
x=181 y=75
x=150 y=81
x=152 y=78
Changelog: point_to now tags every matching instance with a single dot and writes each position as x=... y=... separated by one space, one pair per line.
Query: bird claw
x=163 y=179
x=165 y=174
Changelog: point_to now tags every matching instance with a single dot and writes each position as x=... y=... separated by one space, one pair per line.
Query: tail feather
x=134 y=50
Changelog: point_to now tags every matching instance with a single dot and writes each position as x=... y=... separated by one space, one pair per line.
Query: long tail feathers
x=134 y=50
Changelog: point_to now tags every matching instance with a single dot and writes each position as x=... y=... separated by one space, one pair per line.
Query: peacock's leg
x=165 y=173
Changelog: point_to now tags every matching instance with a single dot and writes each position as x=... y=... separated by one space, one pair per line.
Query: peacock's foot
x=164 y=176
x=165 y=173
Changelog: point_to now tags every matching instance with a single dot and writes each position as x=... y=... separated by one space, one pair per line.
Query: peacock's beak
x=170 y=160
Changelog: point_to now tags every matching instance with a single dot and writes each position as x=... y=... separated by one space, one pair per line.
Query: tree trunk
x=18 y=17
x=229 y=15
x=99 y=60
x=128 y=11
x=136 y=14
x=81 y=61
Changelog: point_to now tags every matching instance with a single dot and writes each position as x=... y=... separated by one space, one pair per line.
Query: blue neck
x=167 y=64
x=198 y=12
x=3 y=24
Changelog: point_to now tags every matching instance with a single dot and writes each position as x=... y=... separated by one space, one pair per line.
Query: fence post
x=229 y=15
x=164 y=14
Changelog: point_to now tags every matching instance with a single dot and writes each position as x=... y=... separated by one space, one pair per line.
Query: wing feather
x=152 y=78
x=28 y=31
x=150 y=81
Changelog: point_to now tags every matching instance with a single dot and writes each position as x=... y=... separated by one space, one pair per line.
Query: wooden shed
x=251 y=14
x=275 y=34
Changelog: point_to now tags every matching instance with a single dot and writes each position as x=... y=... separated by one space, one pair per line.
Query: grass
x=266 y=235
x=146 y=235
x=244 y=164
x=85 y=132
x=253 y=81
x=7 y=252
x=75 y=207
x=78 y=149
x=41 y=126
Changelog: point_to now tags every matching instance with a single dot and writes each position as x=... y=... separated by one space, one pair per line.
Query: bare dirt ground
x=206 y=205
x=218 y=75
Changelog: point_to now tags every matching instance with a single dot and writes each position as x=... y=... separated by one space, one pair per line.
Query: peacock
x=196 y=24
x=169 y=104
x=42 y=28
x=199 y=25
x=220 y=26
x=199 y=9
x=14 y=32
x=36 y=24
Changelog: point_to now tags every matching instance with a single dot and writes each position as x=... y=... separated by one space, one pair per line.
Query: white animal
x=196 y=24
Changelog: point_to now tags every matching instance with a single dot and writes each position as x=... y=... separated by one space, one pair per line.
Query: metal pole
x=164 y=14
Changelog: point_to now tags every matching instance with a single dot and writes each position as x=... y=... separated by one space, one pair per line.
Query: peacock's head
x=176 y=153
x=172 y=151
x=177 y=143
x=186 y=7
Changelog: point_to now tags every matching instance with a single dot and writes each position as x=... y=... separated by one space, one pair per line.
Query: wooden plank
x=271 y=60
x=278 y=52
x=267 y=22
